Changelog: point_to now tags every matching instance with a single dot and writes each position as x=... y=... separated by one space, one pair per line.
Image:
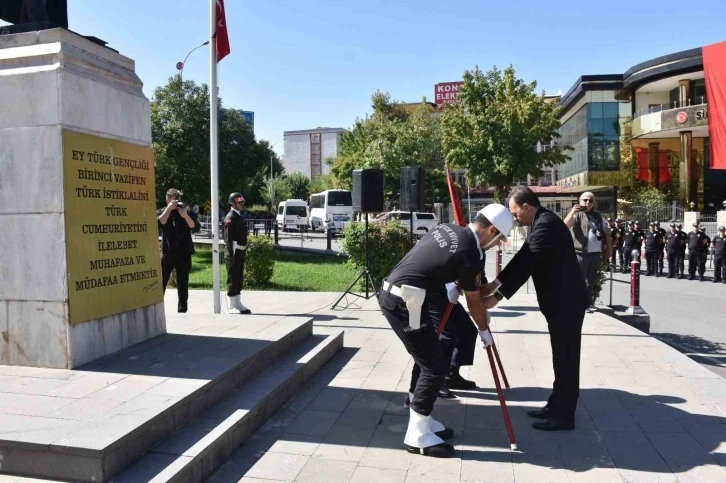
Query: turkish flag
x=714 y=68
x=221 y=39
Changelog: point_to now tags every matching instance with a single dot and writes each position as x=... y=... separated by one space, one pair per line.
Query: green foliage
x=651 y=197
x=260 y=261
x=493 y=130
x=602 y=272
x=281 y=191
x=299 y=185
x=323 y=183
x=389 y=139
x=180 y=134
x=387 y=244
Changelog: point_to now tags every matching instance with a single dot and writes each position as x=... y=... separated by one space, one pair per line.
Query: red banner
x=455 y=202
x=221 y=39
x=714 y=67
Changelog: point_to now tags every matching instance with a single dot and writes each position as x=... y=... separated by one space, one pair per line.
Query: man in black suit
x=548 y=256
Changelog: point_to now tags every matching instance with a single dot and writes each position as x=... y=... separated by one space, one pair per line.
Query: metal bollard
x=498 y=262
x=635 y=307
x=277 y=234
x=329 y=239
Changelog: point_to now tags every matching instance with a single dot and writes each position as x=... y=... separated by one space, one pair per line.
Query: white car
x=422 y=222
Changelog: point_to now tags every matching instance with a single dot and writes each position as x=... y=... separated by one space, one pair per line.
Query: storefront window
x=574 y=134
x=603 y=127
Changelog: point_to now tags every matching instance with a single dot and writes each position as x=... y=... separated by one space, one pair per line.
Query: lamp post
x=181 y=65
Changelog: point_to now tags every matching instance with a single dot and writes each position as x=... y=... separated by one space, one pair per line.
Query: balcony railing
x=670 y=105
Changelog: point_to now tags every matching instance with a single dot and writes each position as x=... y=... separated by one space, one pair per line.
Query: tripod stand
x=365 y=273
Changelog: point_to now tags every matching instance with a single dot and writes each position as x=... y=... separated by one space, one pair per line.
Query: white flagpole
x=213 y=120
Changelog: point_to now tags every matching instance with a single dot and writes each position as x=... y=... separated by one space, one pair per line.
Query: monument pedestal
x=689 y=218
x=80 y=269
x=721 y=218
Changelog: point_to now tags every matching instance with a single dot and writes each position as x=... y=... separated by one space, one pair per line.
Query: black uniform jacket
x=548 y=256
x=235 y=230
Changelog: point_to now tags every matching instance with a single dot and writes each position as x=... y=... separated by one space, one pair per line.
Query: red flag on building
x=221 y=38
x=714 y=69
x=455 y=203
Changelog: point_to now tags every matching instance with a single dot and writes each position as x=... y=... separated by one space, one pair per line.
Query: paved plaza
x=647 y=413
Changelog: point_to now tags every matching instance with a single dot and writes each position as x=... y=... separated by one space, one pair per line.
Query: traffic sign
x=179 y=65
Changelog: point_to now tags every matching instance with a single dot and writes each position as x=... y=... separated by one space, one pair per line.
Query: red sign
x=446 y=92
x=179 y=66
x=681 y=117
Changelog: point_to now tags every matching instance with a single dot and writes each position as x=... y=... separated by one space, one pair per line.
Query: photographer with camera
x=176 y=224
x=591 y=236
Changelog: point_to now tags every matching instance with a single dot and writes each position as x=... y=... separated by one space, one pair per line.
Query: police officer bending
x=235 y=237
x=448 y=253
x=697 y=250
x=719 y=247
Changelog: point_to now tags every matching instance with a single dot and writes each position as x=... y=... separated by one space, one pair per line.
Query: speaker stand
x=365 y=273
x=411 y=222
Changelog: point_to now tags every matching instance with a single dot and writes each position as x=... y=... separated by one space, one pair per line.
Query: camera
x=179 y=204
x=598 y=234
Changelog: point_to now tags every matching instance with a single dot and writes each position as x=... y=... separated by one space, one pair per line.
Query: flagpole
x=213 y=140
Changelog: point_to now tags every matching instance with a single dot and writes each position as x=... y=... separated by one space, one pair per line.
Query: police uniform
x=661 y=252
x=631 y=241
x=235 y=237
x=616 y=235
x=674 y=242
x=448 y=253
x=682 y=254
x=653 y=245
x=696 y=254
x=707 y=244
x=719 y=245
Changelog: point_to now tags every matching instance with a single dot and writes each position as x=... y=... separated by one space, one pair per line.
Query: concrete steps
x=196 y=451
x=152 y=391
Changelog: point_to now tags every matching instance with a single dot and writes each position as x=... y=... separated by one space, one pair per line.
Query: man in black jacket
x=548 y=256
x=235 y=237
x=177 y=224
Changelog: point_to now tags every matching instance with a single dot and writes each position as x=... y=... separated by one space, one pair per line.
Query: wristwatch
x=498 y=295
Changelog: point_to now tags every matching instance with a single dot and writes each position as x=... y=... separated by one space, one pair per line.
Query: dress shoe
x=553 y=424
x=455 y=381
x=444 y=393
x=543 y=413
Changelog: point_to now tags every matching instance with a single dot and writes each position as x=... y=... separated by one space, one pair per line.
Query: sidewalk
x=647 y=413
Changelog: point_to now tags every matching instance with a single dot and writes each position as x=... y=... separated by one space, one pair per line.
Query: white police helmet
x=500 y=217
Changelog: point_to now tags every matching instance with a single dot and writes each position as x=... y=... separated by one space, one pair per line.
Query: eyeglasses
x=588 y=200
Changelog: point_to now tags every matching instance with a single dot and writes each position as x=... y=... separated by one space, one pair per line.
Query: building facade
x=306 y=151
x=646 y=127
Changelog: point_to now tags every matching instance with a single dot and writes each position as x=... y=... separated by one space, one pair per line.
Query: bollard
x=635 y=307
x=277 y=234
x=498 y=262
x=329 y=239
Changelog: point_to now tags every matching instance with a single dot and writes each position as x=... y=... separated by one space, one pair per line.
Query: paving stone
x=426 y=469
x=127 y=388
x=582 y=469
x=538 y=468
x=699 y=473
x=315 y=423
x=278 y=466
x=680 y=448
x=300 y=444
x=323 y=470
x=364 y=474
x=343 y=443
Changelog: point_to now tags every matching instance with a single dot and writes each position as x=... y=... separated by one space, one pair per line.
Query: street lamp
x=180 y=65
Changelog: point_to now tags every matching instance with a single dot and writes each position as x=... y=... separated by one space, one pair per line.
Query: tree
x=323 y=182
x=180 y=135
x=389 y=139
x=281 y=191
x=494 y=127
x=651 y=197
x=299 y=185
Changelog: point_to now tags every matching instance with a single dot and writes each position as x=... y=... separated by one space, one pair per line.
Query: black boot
x=455 y=381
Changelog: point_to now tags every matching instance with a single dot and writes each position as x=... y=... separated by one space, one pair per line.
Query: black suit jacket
x=548 y=256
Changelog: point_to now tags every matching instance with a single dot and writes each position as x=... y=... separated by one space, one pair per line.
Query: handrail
x=669 y=106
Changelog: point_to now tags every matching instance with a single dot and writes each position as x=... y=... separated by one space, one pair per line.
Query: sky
x=304 y=64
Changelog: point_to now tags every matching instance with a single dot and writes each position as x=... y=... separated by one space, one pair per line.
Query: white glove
x=452 y=293
x=486 y=338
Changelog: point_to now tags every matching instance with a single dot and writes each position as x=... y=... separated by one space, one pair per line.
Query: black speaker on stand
x=367 y=198
x=413 y=192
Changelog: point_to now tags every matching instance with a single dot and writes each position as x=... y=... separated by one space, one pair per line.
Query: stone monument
x=80 y=268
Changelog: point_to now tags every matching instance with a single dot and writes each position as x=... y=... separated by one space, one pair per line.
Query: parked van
x=422 y=222
x=331 y=210
x=292 y=215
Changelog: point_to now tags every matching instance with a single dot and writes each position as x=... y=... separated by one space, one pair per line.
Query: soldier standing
x=660 y=250
x=616 y=234
x=235 y=237
x=653 y=245
x=631 y=241
x=719 y=246
x=682 y=254
x=674 y=241
x=697 y=245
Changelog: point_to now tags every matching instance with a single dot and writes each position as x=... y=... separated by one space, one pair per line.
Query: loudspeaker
x=413 y=188
x=368 y=190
